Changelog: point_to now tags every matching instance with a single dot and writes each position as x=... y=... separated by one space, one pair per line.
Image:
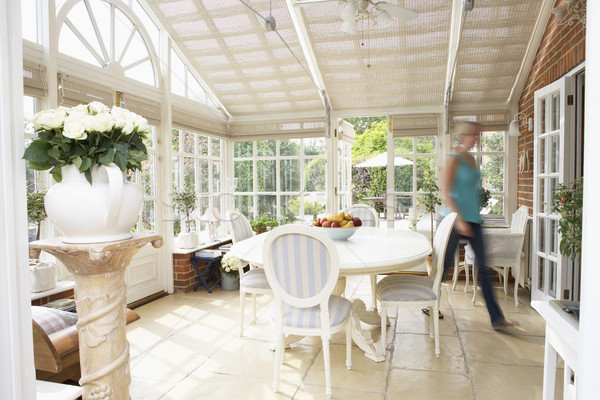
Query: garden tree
x=369 y=182
x=492 y=169
x=361 y=124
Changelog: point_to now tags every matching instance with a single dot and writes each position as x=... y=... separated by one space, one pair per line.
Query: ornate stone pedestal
x=100 y=291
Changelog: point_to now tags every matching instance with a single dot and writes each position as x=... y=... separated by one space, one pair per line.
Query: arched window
x=110 y=36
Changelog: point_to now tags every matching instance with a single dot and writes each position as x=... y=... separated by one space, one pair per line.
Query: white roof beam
x=456 y=25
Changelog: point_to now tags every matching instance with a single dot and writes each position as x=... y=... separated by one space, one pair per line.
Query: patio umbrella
x=381 y=161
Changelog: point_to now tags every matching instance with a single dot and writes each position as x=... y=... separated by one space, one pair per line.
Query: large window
x=284 y=178
x=197 y=162
x=184 y=83
x=344 y=175
x=146 y=180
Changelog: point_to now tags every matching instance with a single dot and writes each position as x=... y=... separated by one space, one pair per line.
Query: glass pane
x=496 y=205
x=404 y=205
x=267 y=203
x=203 y=176
x=426 y=144
x=552 y=278
x=188 y=142
x=202 y=145
x=312 y=208
x=314 y=173
x=244 y=204
x=403 y=178
x=290 y=208
x=148 y=176
x=29 y=18
x=553 y=184
x=148 y=217
x=289 y=175
x=492 y=141
x=177 y=75
x=149 y=141
x=194 y=90
x=542 y=115
x=242 y=149
x=541 y=235
x=555 y=111
x=289 y=147
x=176 y=179
x=542 y=156
x=266 y=176
x=555 y=154
x=216 y=176
x=216 y=147
x=403 y=145
x=265 y=148
x=553 y=237
x=542 y=273
x=243 y=174
x=314 y=146
x=175 y=139
x=422 y=164
x=189 y=170
x=492 y=172
x=542 y=202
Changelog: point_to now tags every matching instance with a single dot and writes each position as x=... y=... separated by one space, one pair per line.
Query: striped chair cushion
x=339 y=311
x=241 y=227
x=366 y=216
x=405 y=288
x=255 y=278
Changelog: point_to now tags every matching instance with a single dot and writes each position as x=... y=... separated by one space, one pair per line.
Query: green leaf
x=88 y=176
x=120 y=160
x=37 y=152
x=77 y=162
x=86 y=162
x=108 y=157
x=56 y=173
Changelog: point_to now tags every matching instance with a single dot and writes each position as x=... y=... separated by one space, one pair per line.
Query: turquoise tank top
x=465 y=190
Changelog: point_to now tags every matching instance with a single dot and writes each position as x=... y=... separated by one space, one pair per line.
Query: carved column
x=100 y=291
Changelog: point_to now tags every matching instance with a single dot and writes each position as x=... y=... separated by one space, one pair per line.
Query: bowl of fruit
x=338 y=227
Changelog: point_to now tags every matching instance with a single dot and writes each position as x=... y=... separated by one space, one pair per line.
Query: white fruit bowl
x=338 y=234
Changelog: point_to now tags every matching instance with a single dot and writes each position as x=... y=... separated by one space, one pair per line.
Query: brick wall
x=185 y=276
x=561 y=49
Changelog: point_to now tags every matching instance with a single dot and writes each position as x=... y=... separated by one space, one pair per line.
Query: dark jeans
x=476 y=242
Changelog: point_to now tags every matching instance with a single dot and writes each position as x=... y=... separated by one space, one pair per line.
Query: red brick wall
x=561 y=49
x=185 y=276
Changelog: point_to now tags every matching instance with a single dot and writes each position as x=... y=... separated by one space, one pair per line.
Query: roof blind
x=34 y=80
x=146 y=108
x=73 y=91
x=306 y=128
x=188 y=121
x=346 y=132
x=415 y=125
x=495 y=120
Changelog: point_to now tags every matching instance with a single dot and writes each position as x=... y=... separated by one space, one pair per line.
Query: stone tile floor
x=187 y=346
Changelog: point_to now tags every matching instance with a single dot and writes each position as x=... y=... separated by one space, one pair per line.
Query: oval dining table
x=370 y=251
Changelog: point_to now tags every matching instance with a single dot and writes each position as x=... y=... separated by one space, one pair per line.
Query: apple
x=317 y=222
x=323 y=220
x=326 y=224
x=357 y=221
x=335 y=224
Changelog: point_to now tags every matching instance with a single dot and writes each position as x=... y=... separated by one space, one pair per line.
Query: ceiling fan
x=354 y=11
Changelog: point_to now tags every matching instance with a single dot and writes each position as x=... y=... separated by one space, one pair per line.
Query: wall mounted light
x=519 y=119
x=569 y=12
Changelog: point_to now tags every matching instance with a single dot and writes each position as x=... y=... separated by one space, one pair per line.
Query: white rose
x=98 y=123
x=49 y=119
x=95 y=107
x=227 y=269
x=74 y=126
x=141 y=123
x=81 y=108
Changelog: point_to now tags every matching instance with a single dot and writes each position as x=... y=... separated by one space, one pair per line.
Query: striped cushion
x=405 y=288
x=51 y=319
x=255 y=278
x=366 y=216
x=241 y=227
x=301 y=264
x=339 y=311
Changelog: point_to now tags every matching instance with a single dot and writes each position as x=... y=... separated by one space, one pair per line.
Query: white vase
x=104 y=211
x=229 y=282
x=187 y=240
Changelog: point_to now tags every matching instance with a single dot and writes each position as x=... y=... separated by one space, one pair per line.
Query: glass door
x=551 y=154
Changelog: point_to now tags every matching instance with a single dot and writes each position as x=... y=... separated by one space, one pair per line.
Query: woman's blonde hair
x=468 y=128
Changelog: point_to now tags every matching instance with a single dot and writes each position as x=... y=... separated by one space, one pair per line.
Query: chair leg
x=474 y=283
x=466 y=276
x=278 y=352
x=517 y=275
x=253 y=308
x=431 y=320
x=456 y=270
x=242 y=302
x=436 y=330
x=373 y=288
x=349 y=344
x=327 y=361
x=383 y=313
x=506 y=269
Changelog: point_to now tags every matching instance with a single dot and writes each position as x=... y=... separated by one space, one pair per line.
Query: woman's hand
x=463 y=228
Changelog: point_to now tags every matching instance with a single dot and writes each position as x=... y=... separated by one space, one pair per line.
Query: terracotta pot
x=104 y=211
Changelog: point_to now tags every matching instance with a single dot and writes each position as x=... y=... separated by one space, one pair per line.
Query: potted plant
x=87 y=149
x=568 y=202
x=230 y=272
x=264 y=223
x=185 y=202
x=36 y=212
x=429 y=198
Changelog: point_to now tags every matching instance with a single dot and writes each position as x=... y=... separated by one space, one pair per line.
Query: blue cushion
x=405 y=288
x=255 y=278
x=339 y=311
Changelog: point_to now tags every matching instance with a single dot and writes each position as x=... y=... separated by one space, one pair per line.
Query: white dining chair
x=302 y=268
x=504 y=250
x=395 y=290
x=369 y=217
x=254 y=281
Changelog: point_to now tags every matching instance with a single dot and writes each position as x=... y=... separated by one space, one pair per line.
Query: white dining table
x=370 y=251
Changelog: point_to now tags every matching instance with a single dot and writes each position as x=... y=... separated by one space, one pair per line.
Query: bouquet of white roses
x=230 y=265
x=87 y=135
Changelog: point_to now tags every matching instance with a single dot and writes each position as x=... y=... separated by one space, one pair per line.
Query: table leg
x=550 y=355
